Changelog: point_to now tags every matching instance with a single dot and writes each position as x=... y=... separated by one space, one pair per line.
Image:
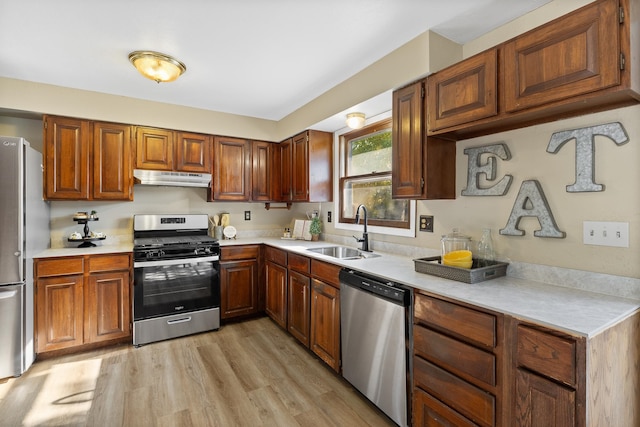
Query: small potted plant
x=315 y=228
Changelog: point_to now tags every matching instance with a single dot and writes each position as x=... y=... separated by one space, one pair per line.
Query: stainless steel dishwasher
x=375 y=336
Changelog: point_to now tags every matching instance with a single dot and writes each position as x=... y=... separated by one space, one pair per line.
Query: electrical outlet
x=328 y=216
x=604 y=233
x=426 y=223
x=247 y=215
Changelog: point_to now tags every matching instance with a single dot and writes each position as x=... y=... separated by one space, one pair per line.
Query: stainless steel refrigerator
x=24 y=231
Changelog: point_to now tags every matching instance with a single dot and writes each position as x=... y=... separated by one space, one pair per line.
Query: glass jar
x=455 y=241
x=486 y=255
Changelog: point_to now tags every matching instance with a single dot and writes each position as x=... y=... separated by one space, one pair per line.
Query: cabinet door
x=574 y=55
x=540 y=402
x=319 y=166
x=325 y=323
x=285 y=157
x=59 y=312
x=112 y=172
x=154 y=149
x=300 y=168
x=261 y=171
x=66 y=156
x=193 y=152
x=276 y=293
x=232 y=169
x=238 y=288
x=107 y=307
x=298 y=307
x=407 y=180
x=464 y=92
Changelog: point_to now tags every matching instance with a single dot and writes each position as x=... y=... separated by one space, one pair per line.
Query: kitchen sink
x=343 y=252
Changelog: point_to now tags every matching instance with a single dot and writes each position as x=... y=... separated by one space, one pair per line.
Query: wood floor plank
x=251 y=373
x=272 y=410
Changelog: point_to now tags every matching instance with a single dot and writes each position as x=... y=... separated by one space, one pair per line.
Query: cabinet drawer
x=59 y=266
x=547 y=354
x=277 y=256
x=111 y=262
x=326 y=272
x=428 y=411
x=299 y=263
x=469 y=400
x=230 y=253
x=455 y=355
x=470 y=324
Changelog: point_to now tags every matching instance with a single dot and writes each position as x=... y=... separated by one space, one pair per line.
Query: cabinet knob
x=17 y=253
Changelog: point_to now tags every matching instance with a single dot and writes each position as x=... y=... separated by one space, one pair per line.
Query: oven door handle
x=166 y=262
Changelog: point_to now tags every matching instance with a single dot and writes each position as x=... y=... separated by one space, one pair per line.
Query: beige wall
x=616 y=167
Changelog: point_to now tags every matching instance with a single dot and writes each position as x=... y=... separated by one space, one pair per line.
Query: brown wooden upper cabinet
x=86 y=160
x=464 y=92
x=231 y=169
x=262 y=171
x=193 y=152
x=154 y=148
x=163 y=149
x=422 y=167
x=306 y=167
x=577 y=64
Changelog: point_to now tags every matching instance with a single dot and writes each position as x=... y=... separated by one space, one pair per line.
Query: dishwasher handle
x=375 y=285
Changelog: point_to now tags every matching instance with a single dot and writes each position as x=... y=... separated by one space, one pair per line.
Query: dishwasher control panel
x=378 y=286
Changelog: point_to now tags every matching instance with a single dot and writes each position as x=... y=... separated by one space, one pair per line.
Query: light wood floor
x=246 y=374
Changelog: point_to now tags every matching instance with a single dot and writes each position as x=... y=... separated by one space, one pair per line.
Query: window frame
x=373 y=124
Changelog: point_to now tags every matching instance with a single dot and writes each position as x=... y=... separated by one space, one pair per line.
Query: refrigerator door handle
x=7 y=294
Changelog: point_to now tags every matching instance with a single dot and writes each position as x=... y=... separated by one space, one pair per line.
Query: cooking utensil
x=216 y=220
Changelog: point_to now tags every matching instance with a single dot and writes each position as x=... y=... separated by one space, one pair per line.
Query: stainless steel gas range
x=176 y=284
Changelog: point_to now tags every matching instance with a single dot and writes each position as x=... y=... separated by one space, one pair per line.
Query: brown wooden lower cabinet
x=298 y=317
x=82 y=300
x=276 y=279
x=476 y=367
x=108 y=306
x=458 y=364
x=325 y=323
x=239 y=281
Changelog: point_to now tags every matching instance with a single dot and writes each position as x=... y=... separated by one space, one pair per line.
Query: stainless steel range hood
x=170 y=178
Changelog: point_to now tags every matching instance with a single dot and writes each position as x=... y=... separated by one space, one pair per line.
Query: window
x=365 y=159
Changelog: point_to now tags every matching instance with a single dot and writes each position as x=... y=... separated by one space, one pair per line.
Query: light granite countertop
x=99 y=249
x=574 y=311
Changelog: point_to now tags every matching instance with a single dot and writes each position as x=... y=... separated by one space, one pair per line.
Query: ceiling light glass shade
x=157 y=66
x=355 y=120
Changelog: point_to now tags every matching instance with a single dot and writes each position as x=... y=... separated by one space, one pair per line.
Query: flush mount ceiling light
x=355 y=120
x=157 y=66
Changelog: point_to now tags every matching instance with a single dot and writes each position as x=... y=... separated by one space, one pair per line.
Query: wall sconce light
x=355 y=120
x=157 y=66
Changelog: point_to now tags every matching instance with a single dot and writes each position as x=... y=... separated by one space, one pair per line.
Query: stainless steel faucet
x=365 y=235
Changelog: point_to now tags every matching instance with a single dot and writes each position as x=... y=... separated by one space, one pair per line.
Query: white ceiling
x=259 y=58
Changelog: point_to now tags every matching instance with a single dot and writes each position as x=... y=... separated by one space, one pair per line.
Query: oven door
x=175 y=286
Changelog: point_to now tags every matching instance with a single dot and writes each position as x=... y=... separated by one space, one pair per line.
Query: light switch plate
x=606 y=233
